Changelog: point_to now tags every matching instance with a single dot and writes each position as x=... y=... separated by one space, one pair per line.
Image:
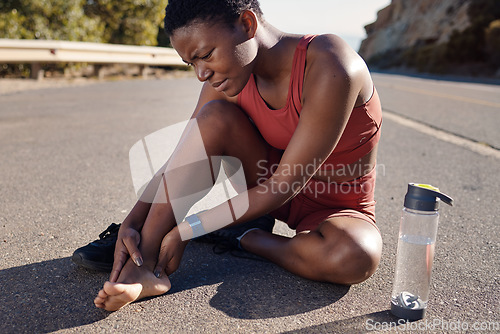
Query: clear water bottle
x=415 y=254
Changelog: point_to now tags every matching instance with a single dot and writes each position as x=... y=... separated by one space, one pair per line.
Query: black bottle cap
x=424 y=197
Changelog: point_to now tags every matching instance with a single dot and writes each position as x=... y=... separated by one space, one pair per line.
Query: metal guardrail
x=44 y=51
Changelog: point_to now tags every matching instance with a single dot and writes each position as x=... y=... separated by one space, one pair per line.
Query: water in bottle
x=415 y=253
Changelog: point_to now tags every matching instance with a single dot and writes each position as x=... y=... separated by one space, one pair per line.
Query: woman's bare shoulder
x=330 y=42
x=333 y=62
x=332 y=50
x=330 y=55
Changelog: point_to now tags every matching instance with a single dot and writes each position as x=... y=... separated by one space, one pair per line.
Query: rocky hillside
x=435 y=35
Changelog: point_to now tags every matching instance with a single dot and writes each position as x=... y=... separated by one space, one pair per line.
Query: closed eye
x=207 y=56
x=187 y=63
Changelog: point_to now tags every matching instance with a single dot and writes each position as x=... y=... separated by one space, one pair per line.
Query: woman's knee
x=353 y=255
x=219 y=114
x=216 y=121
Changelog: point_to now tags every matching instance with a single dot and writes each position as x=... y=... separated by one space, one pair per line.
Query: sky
x=345 y=18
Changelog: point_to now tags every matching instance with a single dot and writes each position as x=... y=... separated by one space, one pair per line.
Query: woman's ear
x=249 y=22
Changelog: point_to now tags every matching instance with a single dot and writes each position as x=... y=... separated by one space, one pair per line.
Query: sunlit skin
x=341 y=250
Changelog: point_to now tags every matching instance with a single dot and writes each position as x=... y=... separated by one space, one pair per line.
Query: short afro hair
x=180 y=13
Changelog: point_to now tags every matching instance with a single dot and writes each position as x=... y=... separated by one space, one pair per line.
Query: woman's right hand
x=127 y=244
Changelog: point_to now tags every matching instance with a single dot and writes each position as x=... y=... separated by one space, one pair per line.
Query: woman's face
x=220 y=54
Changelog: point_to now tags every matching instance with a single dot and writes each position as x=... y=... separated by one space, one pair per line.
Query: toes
x=100 y=299
x=99 y=305
x=99 y=302
x=113 y=289
x=102 y=294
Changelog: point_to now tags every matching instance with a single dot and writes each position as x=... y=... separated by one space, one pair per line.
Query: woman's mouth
x=220 y=86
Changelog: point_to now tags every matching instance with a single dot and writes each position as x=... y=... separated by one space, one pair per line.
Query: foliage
x=134 y=22
x=48 y=19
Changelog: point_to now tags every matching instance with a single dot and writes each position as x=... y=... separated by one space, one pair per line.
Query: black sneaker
x=228 y=239
x=99 y=254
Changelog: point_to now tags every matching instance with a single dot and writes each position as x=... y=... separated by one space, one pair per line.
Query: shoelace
x=109 y=235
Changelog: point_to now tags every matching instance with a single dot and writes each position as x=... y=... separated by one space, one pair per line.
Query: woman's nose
x=203 y=73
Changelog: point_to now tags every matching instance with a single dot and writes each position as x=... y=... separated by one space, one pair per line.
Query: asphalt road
x=65 y=177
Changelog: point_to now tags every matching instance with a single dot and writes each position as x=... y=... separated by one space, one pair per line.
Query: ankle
x=240 y=238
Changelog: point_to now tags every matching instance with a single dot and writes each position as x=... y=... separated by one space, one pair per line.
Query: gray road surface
x=65 y=177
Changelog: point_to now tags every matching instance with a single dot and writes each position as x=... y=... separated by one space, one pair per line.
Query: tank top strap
x=305 y=40
x=298 y=71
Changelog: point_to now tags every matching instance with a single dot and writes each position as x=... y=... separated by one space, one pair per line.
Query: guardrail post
x=37 y=72
x=99 y=71
x=144 y=71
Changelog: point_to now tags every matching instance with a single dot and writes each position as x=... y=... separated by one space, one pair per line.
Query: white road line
x=471 y=145
x=441 y=95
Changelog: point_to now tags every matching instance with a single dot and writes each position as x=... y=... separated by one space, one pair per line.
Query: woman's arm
x=334 y=78
x=129 y=235
x=139 y=212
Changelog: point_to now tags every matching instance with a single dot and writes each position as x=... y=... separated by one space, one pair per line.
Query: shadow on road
x=48 y=296
x=56 y=294
x=252 y=289
x=352 y=325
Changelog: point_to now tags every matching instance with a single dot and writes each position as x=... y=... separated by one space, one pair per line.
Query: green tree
x=48 y=19
x=134 y=22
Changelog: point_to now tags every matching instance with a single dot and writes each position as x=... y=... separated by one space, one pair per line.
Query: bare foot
x=135 y=283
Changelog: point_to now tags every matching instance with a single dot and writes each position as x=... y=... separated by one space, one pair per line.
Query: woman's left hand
x=171 y=251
